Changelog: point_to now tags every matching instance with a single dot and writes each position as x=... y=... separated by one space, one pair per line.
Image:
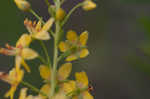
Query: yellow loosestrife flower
x=62 y=74
x=77 y=45
x=82 y=82
x=89 y=5
x=22 y=5
x=37 y=31
x=21 y=51
x=13 y=78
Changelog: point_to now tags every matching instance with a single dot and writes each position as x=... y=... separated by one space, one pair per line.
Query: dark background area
x=115 y=35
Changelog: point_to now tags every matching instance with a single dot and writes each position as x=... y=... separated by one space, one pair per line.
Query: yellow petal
x=48 y=24
x=89 y=5
x=24 y=40
x=25 y=65
x=84 y=52
x=23 y=93
x=70 y=86
x=46 y=90
x=71 y=58
x=45 y=72
x=14 y=78
x=87 y=95
x=38 y=26
x=64 y=71
x=72 y=36
x=84 y=38
x=60 y=14
x=42 y=35
x=81 y=79
x=63 y=46
x=11 y=92
x=20 y=76
x=28 y=54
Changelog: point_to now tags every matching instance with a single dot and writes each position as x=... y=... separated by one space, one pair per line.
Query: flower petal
x=28 y=54
x=11 y=92
x=48 y=24
x=81 y=79
x=46 y=90
x=71 y=57
x=84 y=38
x=42 y=35
x=23 y=93
x=24 y=40
x=70 y=86
x=87 y=95
x=84 y=52
x=64 y=71
x=72 y=36
x=25 y=65
x=63 y=46
x=45 y=72
x=38 y=25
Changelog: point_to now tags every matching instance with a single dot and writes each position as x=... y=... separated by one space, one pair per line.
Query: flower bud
x=60 y=14
x=89 y=5
x=22 y=5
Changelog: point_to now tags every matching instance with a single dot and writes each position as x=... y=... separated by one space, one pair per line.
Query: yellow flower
x=62 y=74
x=76 y=44
x=60 y=14
x=13 y=78
x=78 y=88
x=89 y=5
x=82 y=82
x=22 y=5
x=37 y=31
x=21 y=51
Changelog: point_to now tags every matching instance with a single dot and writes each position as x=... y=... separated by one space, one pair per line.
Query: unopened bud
x=60 y=14
x=89 y=5
x=22 y=5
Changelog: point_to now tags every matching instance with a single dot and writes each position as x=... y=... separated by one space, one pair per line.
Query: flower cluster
x=57 y=84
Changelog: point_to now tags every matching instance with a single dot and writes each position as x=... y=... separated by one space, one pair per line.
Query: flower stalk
x=56 y=84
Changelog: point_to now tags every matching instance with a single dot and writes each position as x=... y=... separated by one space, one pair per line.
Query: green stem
x=33 y=88
x=46 y=52
x=71 y=11
x=54 y=70
x=36 y=15
x=42 y=59
x=67 y=53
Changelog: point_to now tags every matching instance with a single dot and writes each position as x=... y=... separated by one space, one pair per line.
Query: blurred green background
x=118 y=64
